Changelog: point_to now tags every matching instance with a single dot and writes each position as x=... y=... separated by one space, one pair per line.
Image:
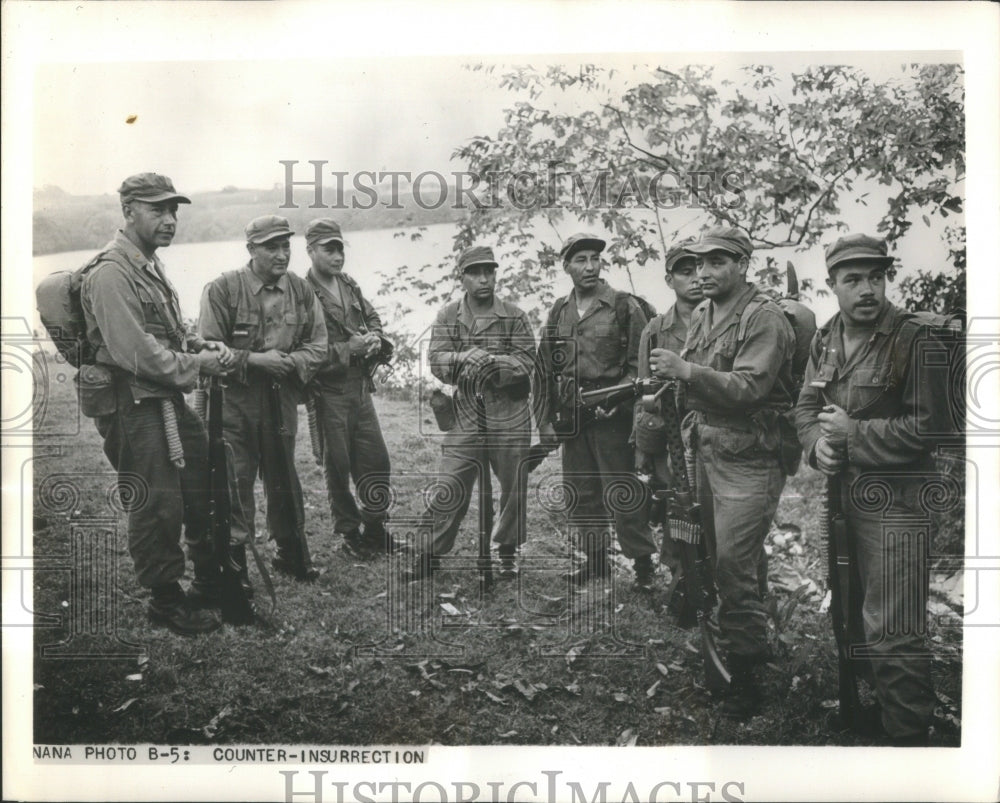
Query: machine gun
x=682 y=524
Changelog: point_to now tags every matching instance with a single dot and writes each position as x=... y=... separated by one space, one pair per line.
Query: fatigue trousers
x=464 y=455
x=739 y=486
x=893 y=580
x=158 y=496
x=599 y=467
x=353 y=448
x=251 y=431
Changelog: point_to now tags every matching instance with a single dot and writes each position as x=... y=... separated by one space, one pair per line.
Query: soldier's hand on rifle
x=227 y=359
x=360 y=345
x=272 y=362
x=209 y=363
x=829 y=459
x=665 y=364
x=833 y=422
x=473 y=362
x=374 y=344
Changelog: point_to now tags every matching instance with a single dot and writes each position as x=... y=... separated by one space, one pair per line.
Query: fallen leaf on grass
x=620 y=697
x=142 y=660
x=414 y=693
x=573 y=688
x=829 y=704
x=213 y=726
x=652 y=689
x=661 y=669
x=450 y=609
x=676 y=667
x=124 y=705
x=322 y=671
x=527 y=689
x=627 y=738
x=37 y=687
x=495 y=698
x=663 y=709
x=136 y=676
x=508 y=734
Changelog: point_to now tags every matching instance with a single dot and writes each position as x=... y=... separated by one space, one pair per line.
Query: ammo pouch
x=650 y=432
x=443 y=406
x=96 y=386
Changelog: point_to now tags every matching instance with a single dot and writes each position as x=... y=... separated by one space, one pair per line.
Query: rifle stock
x=485 y=498
x=842 y=591
x=236 y=608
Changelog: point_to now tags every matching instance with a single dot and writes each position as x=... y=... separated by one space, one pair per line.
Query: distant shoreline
x=64 y=222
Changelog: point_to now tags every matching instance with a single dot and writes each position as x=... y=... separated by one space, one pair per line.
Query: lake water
x=374 y=255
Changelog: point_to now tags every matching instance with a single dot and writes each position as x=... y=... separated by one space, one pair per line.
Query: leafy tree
x=774 y=153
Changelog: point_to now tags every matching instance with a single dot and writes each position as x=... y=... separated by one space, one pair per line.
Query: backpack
x=621 y=316
x=57 y=298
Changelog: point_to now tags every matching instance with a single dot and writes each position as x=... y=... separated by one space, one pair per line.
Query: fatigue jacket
x=739 y=367
x=893 y=420
x=359 y=317
x=665 y=331
x=600 y=354
x=505 y=333
x=235 y=310
x=133 y=320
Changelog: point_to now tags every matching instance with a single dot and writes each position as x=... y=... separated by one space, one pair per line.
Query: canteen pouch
x=650 y=432
x=96 y=386
x=443 y=406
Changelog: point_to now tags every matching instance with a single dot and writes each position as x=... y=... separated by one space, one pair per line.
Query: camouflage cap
x=151 y=188
x=581 y=242
x=857 y=248
x=323 y=230
x=722 y=238
x=678 y=252
x=475 y=255
x=267 y=227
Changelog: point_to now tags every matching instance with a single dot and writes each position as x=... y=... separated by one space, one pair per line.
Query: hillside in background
x=64 y=222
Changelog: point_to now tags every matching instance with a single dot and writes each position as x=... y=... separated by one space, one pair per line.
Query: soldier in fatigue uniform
x=353 y=446
x=274 y=324
x=865 y=409
x=737 y=364
x=135 y=329
x=667 y=331
x=600 y=328
x=483 y=345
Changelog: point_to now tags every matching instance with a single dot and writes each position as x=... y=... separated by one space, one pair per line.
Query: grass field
x=356 y=659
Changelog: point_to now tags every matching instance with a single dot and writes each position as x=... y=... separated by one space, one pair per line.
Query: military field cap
x=581 y=242
x=722 y=238
x=267 y=227
x=475 y=255
x=323 y=230
x=678 y=252
x=857 y=248
x=151 y=188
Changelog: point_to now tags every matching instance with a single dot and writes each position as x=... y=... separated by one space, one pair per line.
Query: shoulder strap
x=754 y=304
x=900 y=347
x=556 y=311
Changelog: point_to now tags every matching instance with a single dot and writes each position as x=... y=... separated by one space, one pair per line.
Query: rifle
x=842 y=591
x=236 y=608
x=485 y=498
x=682 y=523
x=284 y=485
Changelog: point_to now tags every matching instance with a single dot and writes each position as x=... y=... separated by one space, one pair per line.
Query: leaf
x=627 y=738
x=136 y=677
x=450 y=609
x=663 y=709
x=661 y=669
x=124 y=705
x=526 y=689
x=652 y=689
x=321 y=671
x=508 y=734
x=495 y=698
x=621 y=697
x=212 y=727
x=573 y=688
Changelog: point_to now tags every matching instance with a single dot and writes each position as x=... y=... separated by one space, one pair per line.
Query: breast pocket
x=867 y=386
x=723 y=353
x=246 y=329
x=606 y=342
x=153 y=320
x=295 y=324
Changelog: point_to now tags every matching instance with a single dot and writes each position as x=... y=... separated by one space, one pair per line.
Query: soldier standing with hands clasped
x=353 y=446
x=273 y=322
x=135 y=329
x=864 y=411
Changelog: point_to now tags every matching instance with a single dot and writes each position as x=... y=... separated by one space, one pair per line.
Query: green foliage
x=775 y=153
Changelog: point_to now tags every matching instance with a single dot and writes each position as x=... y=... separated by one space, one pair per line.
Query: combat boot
x=508 y=561
x=170 y=608
x=380 y=541
x=743 y=696
x=239 y=556
x=357 y=546
x=596 y=566
x=205 y=590
x=285 y=563
x=644 y=573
